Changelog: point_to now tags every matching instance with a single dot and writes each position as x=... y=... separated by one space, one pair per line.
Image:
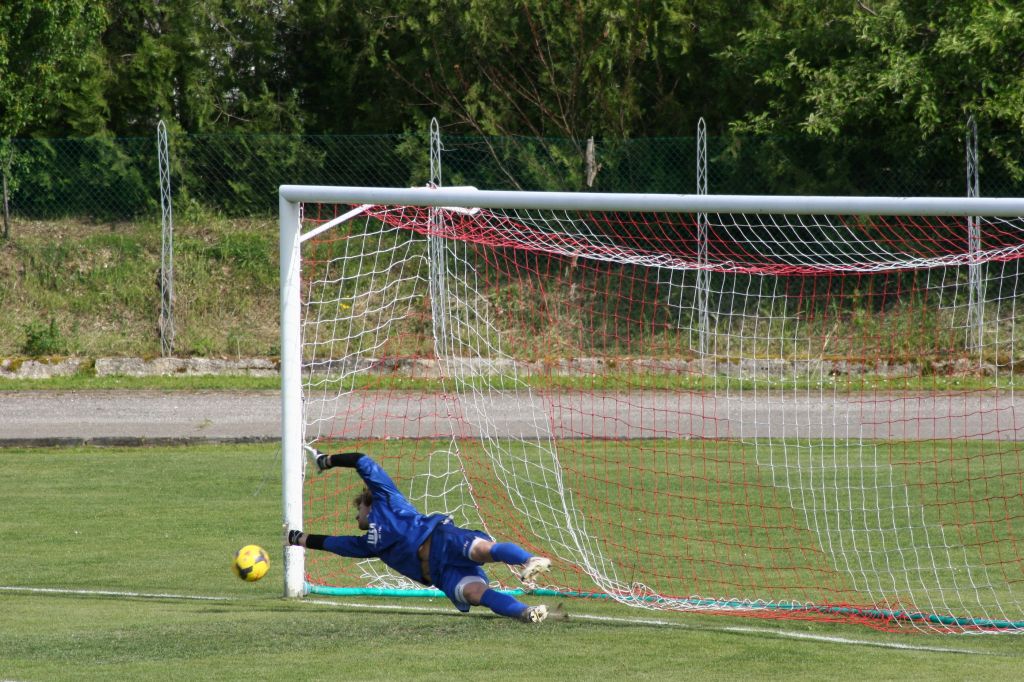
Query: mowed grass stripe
x=167 y=520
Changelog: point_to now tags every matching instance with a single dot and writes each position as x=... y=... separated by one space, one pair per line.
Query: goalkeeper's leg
x=485 y=551
x=506 y=605
x=471 y=589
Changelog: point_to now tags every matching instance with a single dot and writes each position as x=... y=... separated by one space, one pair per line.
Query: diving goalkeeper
x=428 y=549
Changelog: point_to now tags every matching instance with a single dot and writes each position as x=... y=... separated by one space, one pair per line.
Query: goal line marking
x=586 y=617
x=683 y=626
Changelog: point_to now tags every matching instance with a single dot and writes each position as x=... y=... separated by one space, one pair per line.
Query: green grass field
x=797 y=521
x=86 y=381
x=154 y=531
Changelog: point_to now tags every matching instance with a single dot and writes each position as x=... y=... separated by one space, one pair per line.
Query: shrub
x=42 y=339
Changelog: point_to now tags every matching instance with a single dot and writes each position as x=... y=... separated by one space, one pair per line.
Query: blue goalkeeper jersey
x=397 y=529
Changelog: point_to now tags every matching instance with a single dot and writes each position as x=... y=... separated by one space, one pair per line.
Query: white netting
x=819 y=423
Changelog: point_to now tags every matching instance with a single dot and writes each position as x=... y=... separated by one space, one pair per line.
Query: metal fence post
x=976 y=285
x=6 y=158
x=703 y=274
x=166 y=322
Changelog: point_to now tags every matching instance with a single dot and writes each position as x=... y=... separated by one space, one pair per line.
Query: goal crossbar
x=658 y=203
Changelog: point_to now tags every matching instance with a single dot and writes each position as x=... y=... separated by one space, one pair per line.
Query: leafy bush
x=42 y=339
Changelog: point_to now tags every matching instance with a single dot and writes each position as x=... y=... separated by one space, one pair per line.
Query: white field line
x=664 y=623
x=576 y=616
x=681 y=626
x=110 y=593
x=735 y=629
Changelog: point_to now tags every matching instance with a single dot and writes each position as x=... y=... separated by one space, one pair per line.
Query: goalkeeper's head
x=362 y=503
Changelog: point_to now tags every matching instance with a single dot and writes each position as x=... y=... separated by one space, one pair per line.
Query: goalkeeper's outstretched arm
x=341 y=459
x=343 y=545
x=377 y=481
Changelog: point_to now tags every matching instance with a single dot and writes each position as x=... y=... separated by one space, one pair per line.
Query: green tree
x=532 y=67
x=46 y=50
x=206 y=66
x=562 y=70
x=327 y=61
x=899 y=72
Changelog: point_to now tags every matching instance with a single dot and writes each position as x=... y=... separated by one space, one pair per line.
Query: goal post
x=814 y=432
x=292 y=432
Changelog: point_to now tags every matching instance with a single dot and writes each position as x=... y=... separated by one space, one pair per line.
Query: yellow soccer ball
x=251 y=563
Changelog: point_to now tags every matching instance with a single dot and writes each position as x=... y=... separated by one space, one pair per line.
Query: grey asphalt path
x=139 y=417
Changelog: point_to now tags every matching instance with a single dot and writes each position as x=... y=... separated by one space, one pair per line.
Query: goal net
x=778 y=407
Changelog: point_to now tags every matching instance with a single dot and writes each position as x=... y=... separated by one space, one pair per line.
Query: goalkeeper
x=428 y=549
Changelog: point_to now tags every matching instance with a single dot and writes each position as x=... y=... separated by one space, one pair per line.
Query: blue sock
x=502 y=604
x=509 y=553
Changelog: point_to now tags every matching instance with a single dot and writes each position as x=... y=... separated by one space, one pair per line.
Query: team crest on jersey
x=373 y=535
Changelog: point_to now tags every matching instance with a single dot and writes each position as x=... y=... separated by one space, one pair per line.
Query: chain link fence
x=106 y=193
x=116 y=179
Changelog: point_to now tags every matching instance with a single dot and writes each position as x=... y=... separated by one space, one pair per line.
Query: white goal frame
x=292 y=196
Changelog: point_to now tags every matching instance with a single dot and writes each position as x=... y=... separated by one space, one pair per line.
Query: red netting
x=819 y=424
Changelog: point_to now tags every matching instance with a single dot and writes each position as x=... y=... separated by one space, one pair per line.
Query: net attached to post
x=777 y=415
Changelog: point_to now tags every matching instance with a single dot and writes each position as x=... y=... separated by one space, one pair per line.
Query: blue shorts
x=451 y=569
